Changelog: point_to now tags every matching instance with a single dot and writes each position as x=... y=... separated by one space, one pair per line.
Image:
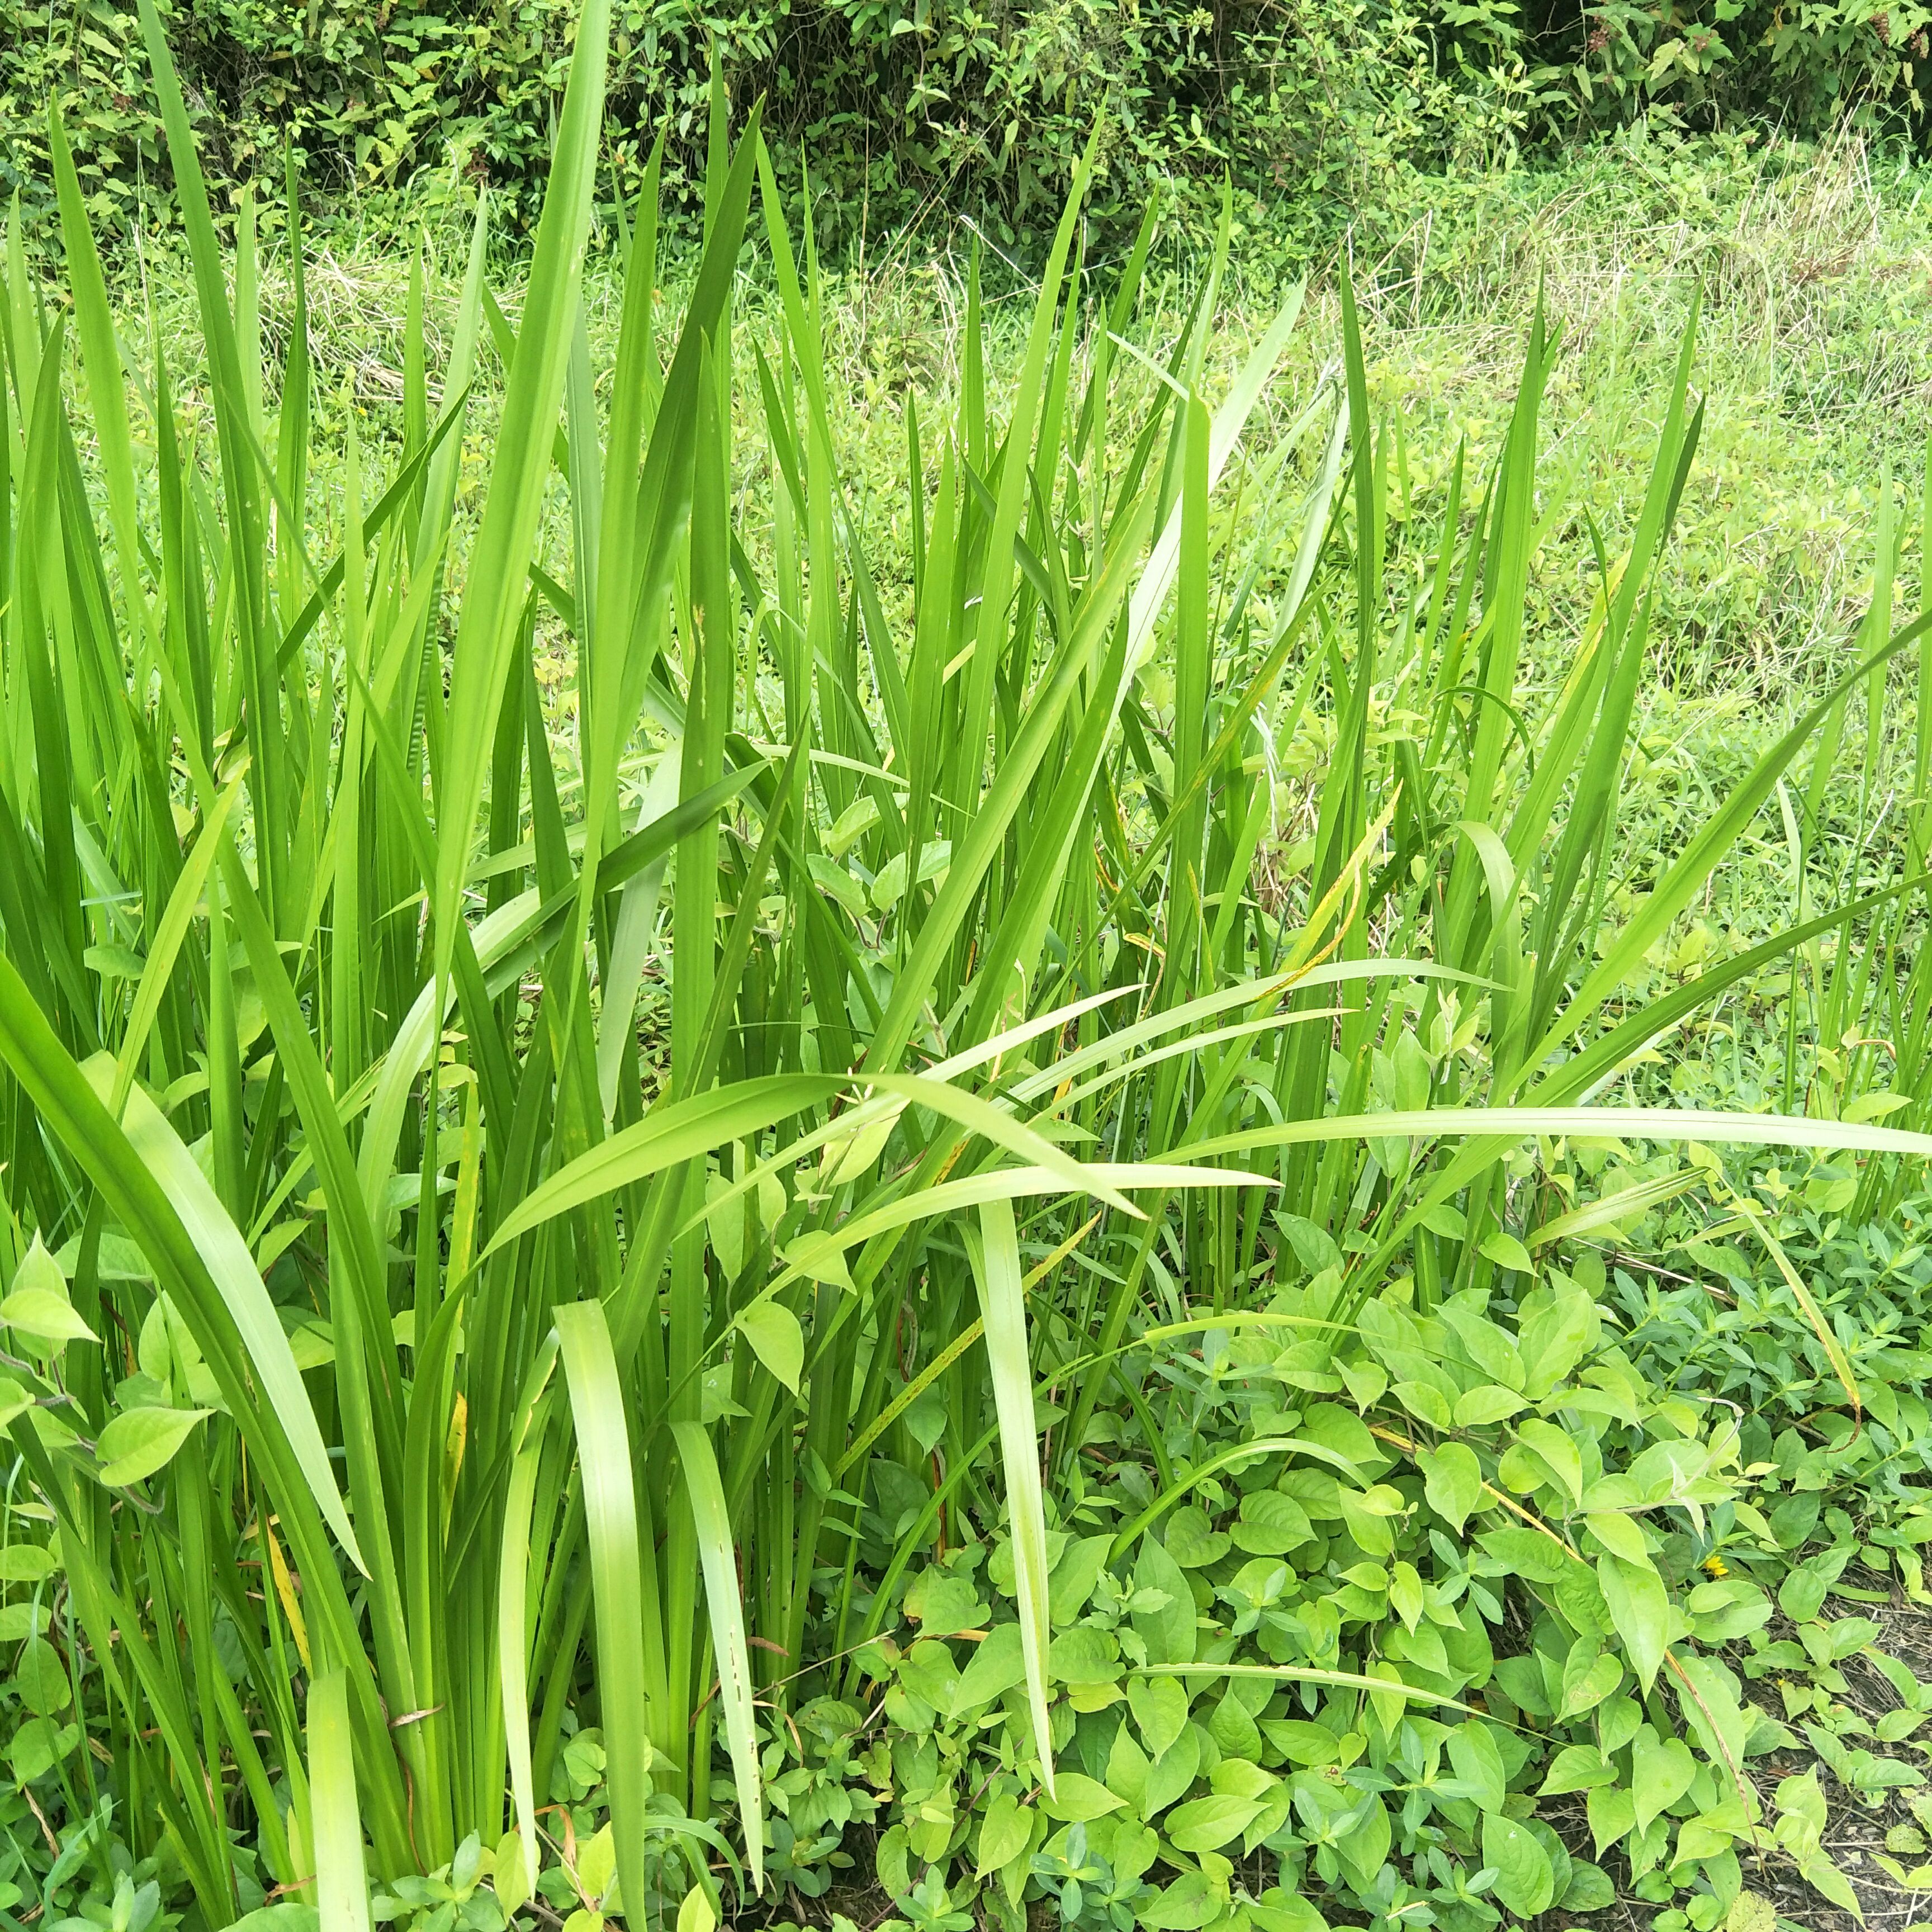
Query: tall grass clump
x=536 y=1256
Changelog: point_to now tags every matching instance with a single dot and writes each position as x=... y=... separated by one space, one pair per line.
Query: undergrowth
x=1082 y=1173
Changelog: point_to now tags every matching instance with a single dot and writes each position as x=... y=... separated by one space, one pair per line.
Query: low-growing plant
x=856 y=1200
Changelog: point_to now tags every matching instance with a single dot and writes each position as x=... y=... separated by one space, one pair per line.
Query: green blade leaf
x=993 y=1246
x=668 y=1135
x=342 y=1885
x=231 y=1269
x=611 y=1520
x=493 y=599
x=707 y=1496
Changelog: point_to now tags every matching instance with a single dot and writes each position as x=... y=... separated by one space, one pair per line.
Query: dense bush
x=894 y=103
x=902 y=106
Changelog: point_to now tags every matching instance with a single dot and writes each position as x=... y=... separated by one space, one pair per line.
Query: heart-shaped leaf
x=138 y=1441
x=777 y=1340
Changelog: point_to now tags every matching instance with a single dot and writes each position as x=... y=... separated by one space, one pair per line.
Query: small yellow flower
x=1714 y=1566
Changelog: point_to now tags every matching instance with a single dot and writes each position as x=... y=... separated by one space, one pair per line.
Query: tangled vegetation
x=908 y=113
x=1006 y=1229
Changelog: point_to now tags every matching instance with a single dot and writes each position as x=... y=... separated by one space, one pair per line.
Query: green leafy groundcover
x=1562 y=1568
x=1577 y=1609
x=1544 y=1528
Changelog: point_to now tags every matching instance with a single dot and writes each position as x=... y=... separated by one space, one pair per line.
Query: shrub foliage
x=898 y=103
